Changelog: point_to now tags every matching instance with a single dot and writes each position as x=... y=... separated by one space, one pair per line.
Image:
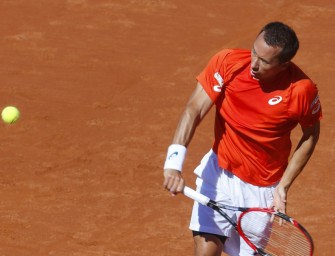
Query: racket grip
x=196 y=196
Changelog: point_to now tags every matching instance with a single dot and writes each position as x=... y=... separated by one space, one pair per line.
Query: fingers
x=280 y=206
x=173 y=181
x=279 y=202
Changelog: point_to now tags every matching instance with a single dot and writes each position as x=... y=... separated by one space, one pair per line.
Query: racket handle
x=196 y=196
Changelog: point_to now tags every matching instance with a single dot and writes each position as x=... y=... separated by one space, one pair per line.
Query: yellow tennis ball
x=10 y=114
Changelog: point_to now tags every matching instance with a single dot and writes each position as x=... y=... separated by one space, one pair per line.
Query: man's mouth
x=253 y=74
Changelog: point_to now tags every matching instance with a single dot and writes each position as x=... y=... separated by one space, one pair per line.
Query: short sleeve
x=305 y=105
x=212 y=77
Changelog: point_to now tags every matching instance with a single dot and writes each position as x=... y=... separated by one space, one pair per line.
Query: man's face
x=264 y=60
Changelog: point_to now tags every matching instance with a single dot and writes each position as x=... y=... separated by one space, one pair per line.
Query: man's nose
x=255 y=64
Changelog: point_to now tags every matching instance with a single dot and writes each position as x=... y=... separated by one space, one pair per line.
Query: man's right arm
x=196 y=109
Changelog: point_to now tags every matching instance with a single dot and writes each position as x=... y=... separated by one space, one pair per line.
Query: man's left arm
x=297 y=163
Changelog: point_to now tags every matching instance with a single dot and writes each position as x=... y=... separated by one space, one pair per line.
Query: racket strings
x=273 y=235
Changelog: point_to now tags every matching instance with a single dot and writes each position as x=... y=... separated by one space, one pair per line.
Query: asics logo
x=217 y=88
x=173 y=155
x=316 y=105
x=275 y=100
x=219 y=79
x=316 y=110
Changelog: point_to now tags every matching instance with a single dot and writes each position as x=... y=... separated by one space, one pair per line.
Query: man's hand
x=280 y=199
x=173 y=181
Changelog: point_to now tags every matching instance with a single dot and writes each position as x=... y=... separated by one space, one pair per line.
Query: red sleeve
x=305 y=105
x=213 y=76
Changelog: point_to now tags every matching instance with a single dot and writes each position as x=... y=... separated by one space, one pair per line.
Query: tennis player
x=259 y=96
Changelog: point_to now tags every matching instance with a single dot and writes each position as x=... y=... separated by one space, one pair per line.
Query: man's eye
x=265 y=62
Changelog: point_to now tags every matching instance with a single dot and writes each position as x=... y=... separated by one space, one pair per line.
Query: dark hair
x=281 y=35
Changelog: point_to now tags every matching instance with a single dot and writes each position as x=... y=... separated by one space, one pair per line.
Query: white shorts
x=226 y=188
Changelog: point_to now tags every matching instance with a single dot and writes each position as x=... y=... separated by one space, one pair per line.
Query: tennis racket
x=266 y=231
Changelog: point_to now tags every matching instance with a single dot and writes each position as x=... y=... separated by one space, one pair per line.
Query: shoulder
x=228 y=61
x=233 y=55
x=305 y=97
x=301 y=83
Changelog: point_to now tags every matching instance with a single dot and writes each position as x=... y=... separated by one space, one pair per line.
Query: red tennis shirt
x=253 y=121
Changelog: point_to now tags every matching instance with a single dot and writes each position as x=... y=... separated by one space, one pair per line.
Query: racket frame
x=204 y=200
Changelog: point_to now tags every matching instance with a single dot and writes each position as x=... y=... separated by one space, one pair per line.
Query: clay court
x=100 y=85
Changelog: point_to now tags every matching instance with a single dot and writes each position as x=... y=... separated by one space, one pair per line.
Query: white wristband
x=175 y=157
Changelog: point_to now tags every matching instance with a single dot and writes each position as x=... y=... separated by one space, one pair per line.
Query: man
x=259 y=96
